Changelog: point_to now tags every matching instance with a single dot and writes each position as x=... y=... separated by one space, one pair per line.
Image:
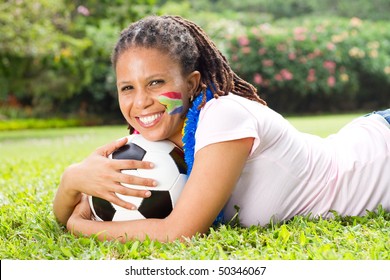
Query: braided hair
x=192 y=48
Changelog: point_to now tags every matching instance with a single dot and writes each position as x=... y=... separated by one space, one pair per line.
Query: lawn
x=31 y=163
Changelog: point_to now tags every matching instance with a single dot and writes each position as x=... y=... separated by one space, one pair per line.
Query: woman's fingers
x=115 y=199
x=109 y=148
x=122 y=203
x=110 y=193
x=134 y=180
x=124 y=164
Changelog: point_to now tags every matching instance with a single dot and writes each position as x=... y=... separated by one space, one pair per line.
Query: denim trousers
x=385 y=114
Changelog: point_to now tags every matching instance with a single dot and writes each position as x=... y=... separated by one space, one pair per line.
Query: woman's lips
x=149 y=120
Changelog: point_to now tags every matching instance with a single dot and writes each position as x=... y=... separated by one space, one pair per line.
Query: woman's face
x=153 y=92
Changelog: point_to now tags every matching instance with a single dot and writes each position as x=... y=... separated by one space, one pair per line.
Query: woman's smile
x=149 y=120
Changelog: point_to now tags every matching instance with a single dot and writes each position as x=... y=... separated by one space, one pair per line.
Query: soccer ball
x=169 y=171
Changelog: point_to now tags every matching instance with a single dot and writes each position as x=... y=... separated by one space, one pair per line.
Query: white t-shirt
x=291 y=173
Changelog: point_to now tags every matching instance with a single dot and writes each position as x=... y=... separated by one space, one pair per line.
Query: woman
x=256 y=159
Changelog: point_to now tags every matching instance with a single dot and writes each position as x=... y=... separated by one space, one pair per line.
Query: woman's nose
x=142 y=100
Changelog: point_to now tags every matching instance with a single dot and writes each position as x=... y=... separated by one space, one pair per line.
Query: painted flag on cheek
x=172 y=101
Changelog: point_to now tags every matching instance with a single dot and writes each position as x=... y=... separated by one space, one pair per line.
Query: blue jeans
x=385 y=114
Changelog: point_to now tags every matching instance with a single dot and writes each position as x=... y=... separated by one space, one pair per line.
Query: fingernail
x=121 y=139
x=133 y=208
x=155 y=183
x=151 y=165
x=148 y=193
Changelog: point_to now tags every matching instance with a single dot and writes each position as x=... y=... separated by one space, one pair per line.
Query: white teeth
x=149 y=119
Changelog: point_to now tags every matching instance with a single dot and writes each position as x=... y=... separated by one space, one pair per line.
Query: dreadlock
x=190 y=45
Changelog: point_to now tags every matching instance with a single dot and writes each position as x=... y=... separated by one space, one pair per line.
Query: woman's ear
x=193 y=82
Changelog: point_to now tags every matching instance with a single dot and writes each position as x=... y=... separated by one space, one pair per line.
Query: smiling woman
x=150 y=86
x=240 y=153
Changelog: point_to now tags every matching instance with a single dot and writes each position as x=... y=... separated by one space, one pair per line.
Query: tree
x=55 y=54
x=35 y=44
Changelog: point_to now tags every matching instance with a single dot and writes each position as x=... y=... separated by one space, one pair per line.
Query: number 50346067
x=248 y=270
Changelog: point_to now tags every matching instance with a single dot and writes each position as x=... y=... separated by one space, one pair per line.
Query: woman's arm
x=98 y=176
x=216 y=170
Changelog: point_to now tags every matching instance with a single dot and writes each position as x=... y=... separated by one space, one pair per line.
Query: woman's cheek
x=172 y=101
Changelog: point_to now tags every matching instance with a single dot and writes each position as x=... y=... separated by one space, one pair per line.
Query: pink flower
x=278 y=77
x=292 y=56
x=257 y=79
x=311 y=55
x=299 y=30
x=331 y=81
x=262 y=51
x=246 y=50
x=267 y=62
x=287 y=75
x=330 y=46
x=311 y=77
x=330 y=66
x=314 y=54
x=243 y=41
x=300 y=37
x=317 y=52
x=255 y=31
x=299 y=33
x=83 y=10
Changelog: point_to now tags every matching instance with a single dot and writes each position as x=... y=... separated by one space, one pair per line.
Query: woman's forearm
x=65 y=200
x=124 y=231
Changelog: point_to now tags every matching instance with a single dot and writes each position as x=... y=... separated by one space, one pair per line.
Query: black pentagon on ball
x=178 y=157
x=103 y=209
x=129 y=151
x=157 y=206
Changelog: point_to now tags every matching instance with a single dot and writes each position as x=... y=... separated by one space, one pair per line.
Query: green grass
x=31 y=163
x=322 y=125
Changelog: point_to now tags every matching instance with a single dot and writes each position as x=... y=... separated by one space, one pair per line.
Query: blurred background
x=304 y=56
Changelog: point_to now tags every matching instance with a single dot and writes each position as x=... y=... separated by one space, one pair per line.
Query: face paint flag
x=172 y=101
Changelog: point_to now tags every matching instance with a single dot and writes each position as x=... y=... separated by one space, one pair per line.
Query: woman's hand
x=99 y=176
x=81 y=212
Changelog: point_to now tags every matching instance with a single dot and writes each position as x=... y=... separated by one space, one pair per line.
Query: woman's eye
x=156 y=82
x=126 y=88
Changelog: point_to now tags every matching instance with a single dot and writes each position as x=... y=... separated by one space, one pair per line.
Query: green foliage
x=374 y=9
x=18 y=124
x=32 y=161
x=310 y=64
x=55 y=54
x=37 y=53
x=55 y=51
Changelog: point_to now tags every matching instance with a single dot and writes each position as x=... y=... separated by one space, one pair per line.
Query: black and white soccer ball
x=169 y=171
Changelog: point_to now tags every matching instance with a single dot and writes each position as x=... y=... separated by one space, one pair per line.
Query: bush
x=312 y=64
x=373 y=10
x=18 y=124
x=55 y=54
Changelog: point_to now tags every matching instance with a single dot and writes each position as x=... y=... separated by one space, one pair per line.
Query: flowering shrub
x=316 y=64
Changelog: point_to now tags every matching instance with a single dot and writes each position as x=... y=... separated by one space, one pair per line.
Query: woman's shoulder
x=233 y=103
x=238 y=107
x=230 y=97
